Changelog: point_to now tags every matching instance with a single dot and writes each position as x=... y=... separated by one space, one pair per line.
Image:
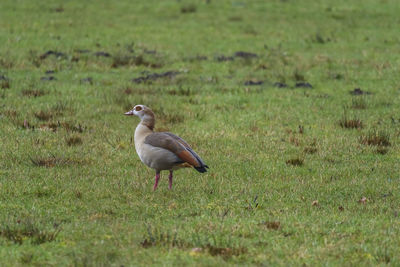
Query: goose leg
x=156 y=182
x=170 y=180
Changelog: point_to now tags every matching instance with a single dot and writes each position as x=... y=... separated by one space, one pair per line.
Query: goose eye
x=138 y=108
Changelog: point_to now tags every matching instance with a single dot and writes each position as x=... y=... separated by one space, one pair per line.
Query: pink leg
x=157 y=179
x=170 y=180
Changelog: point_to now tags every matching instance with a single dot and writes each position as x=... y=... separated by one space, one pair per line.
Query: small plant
x=43 y=192
x=382 y=150
x=224 y=252
x=376 y=138
x=74 y=140
x=295 y=162
x=51 y=126
x=235 y=18
x=191 y=8
x=26 y=257
x=72 y=127
x=20 y=231
x=56 y=110
x=358 y=103
x=299 y=77
x=301 y=129
x=59 y=108
x=6 y=63
x=11 y=113
x=78 y=194
x=128 y=91
x=310 y=150
x=59 y=9
x=121 y=59
x=336 y=76
x=319 y=39
x=294 y=140
x=155 y=237
x=273 y=225
x=181 y=91
x=207 y=243
x=51 y=161
x=33 y=57
x=4 y=83
x=33 y=92
x=350 y=123
x=44 y=115
x=217 y=246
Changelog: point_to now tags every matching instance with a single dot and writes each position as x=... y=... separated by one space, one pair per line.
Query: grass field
x=294 y=105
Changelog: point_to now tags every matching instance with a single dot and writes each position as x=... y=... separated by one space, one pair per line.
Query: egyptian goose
x=162 y=150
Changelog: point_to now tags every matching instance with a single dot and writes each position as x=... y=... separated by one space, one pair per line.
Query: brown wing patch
x=164 y=141
x=188 y=157
x=178 y=139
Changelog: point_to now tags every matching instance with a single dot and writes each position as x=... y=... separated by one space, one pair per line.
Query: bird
x=162 y=150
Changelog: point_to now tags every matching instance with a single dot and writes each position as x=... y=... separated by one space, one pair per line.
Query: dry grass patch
x=60 y=107
x=33 y=92
x=73 y=127
x=50 y=126
x=190 y=8
x=5 y=84
x=74 y=140
x=10 y=113
x=294 y=140
x=56 y=110
x=351 y=123
x=376 y=138
x=382 y=150
x=68 y=126
x=235 y=18
x=44 y=115
x=298 y=76
x=121 y=59
x=274 y=225
x=225 y=252
x=295 y=162
x=156 y=237
x=21 y=231
x=310 y=150
x=52 y=161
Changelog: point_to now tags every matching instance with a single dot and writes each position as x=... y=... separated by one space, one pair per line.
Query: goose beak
x=129 y=113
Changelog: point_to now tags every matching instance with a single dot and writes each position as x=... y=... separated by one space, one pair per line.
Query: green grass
x=297 y=175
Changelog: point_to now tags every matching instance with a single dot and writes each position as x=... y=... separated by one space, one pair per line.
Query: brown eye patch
x=138 y=108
